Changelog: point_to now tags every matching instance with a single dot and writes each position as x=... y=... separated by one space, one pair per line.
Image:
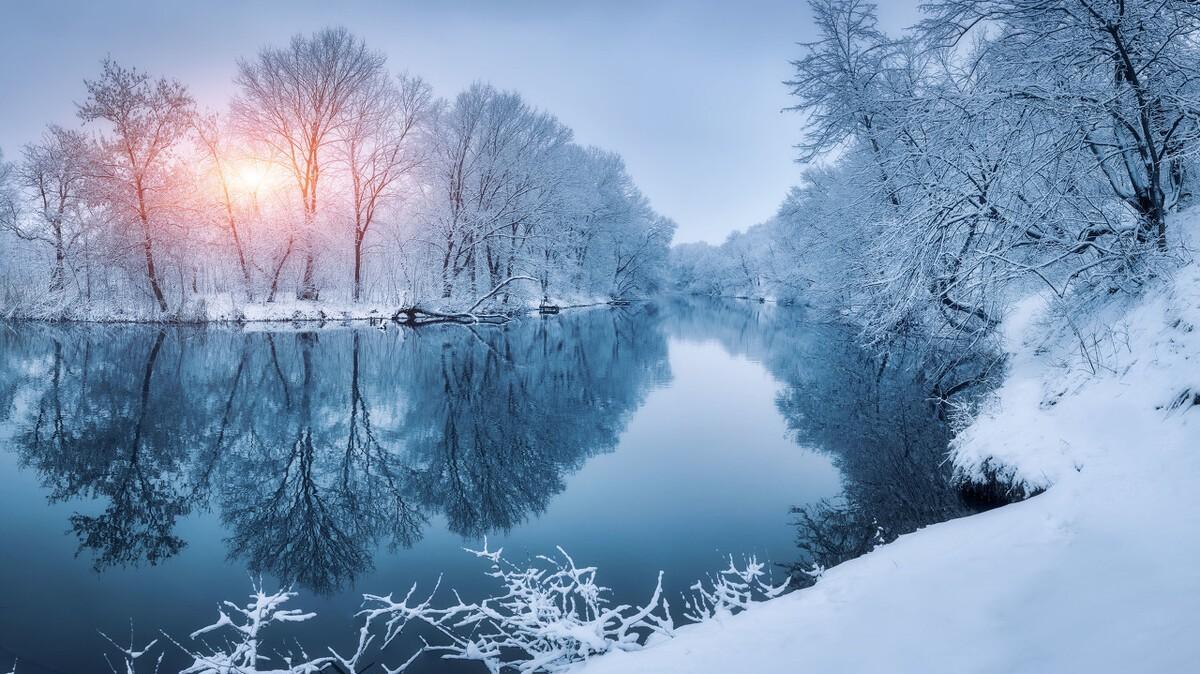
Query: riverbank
x=1096 y=574
x=223 y=311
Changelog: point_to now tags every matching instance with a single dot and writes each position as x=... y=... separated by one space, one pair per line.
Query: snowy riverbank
x=1096 y=574
x=225 y=310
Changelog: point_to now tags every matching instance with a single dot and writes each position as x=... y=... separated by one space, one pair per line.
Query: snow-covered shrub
x=548 y=617
x=131 y=654
x=731 y=591
x=241 y=649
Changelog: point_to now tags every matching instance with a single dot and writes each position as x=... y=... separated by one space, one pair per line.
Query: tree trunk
x=279 y=268
x=58 y=274
x=447 y=281
x=237 y=243
x=358 y=242
x=308 y=285
x=152 y=273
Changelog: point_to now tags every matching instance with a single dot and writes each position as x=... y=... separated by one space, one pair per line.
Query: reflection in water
x=95 y=434
x=308 y=455
x=870 y=415
x=317 y=447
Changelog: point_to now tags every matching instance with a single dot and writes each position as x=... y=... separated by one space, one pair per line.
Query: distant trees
x=509 y=197
x=328 y=175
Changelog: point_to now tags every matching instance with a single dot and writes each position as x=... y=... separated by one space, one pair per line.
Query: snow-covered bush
x=131 y=654
x=731 y=591
x=242 y=630
x=546 y=617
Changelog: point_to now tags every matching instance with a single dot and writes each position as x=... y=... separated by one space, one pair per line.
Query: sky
x=689 y=93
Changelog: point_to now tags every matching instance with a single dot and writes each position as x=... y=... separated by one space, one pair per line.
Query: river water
x=147 y=473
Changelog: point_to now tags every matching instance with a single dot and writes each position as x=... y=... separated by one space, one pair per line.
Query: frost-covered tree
x=295 y=100
x=52 y=173
x=381 y=145
x=217 y=145
x=493 y=179
x=134 y=169
x=331 y=172
x=1002 y=144
x=1119 y=76
x=840 y=84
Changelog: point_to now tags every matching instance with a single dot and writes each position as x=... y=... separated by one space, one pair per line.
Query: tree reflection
x=522 y=406
x=315 y=448
x=870 y=415
x=306 y=509
x=93 y=436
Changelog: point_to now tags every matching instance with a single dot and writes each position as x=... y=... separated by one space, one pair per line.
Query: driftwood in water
x=417 y=316
x=545 y=307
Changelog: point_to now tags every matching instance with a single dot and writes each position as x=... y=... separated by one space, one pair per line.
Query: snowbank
x=1097 y=574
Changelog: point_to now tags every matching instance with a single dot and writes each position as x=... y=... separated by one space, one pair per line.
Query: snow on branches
x=242 y=628
x=731 y=591
x=546 y=617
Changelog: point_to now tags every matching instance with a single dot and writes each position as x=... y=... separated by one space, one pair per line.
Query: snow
x=225 y=308
x=1096 y=574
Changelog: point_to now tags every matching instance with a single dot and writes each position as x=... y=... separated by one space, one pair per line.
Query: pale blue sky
x=689 y=93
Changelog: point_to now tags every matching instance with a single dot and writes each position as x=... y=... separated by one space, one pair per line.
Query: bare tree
x=53 y=170
x=148 y=119
x=379 y=147
x=8 y=197
x=214 y=140
x=1121 y=76
x=295 y=100
x=838 y=81
x=494 y=176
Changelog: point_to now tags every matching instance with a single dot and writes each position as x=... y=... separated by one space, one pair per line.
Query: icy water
x=146 y=473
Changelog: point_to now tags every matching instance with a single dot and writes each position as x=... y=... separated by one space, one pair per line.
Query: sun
x=249 y=176
x=252 y=177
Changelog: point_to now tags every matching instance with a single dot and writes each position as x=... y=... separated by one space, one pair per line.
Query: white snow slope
x=1100 y=573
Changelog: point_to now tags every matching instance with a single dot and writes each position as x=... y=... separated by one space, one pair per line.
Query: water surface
x=146 y=472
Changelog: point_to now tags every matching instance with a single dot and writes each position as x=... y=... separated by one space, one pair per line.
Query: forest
x=328 y=178
x=995 y=149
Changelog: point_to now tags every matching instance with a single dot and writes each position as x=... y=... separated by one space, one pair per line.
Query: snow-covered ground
x=1097 y=574
x=227 y=309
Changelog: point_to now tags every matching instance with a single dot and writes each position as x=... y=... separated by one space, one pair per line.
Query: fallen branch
x=417 y=316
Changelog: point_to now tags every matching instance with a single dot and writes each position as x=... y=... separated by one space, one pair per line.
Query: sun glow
x=253 y=177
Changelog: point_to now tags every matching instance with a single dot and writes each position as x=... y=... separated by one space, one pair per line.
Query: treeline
x=996 y=148
x=327 y=178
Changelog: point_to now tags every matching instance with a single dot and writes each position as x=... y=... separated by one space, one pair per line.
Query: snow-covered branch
x=544 y=617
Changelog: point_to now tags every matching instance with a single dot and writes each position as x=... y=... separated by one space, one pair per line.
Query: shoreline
x=373 y=317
